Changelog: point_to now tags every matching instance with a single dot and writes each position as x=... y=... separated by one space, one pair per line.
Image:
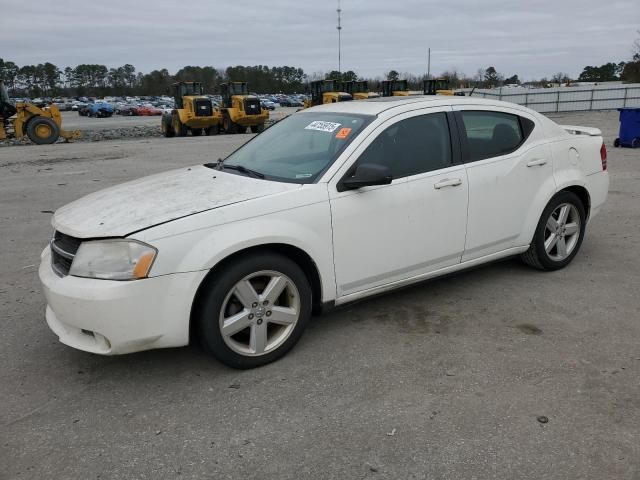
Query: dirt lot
x=445 y=380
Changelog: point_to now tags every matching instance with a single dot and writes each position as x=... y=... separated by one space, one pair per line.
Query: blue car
x=99 y=110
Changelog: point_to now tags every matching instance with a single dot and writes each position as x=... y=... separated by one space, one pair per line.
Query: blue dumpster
x=629 y=128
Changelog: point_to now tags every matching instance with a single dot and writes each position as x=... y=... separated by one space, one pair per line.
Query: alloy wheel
x=562 y=232
x=259 y=313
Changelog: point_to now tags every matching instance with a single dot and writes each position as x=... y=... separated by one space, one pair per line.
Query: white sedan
x=332 y=204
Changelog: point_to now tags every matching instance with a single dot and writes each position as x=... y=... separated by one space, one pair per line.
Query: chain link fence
x=567 y=99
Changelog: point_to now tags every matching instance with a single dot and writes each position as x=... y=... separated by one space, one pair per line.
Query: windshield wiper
x=241 y=169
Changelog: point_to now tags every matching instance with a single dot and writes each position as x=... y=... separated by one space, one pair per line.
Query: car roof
x=375 y=106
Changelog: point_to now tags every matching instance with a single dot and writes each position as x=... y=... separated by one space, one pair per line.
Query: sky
x=532 y=39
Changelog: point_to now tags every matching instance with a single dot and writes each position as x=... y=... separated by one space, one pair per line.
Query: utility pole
x=339 y=27
x=429 y=64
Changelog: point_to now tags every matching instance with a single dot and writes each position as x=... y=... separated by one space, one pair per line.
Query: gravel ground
x=449 y=379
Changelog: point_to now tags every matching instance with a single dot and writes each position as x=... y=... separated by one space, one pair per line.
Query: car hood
x=133 y=206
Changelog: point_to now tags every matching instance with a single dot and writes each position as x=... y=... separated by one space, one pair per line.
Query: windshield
x=299 y=148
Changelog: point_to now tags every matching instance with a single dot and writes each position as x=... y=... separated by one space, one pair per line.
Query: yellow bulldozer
x=193 y=112
x=326 y=91
x=240 y=110
x=395 y=88
x=358 y=89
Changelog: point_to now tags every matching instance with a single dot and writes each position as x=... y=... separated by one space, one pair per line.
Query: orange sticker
x=343 y=133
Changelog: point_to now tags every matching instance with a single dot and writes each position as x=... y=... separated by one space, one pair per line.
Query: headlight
x=113 y=260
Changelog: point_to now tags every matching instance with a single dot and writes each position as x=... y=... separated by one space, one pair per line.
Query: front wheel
x=559 y=233
x=257 y=128
x=212 y=130
x=255 y=311
x=616 y=142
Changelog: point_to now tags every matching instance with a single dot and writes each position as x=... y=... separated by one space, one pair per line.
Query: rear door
x=510 y=172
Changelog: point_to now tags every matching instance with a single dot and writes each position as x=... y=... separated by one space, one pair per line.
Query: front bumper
x=115 y=317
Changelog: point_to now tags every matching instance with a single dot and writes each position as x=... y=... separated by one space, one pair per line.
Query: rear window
x=491 y=134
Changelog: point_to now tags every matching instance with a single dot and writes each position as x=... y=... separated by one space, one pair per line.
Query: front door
x=389 y=233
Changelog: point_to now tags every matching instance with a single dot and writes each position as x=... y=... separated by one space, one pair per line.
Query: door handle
x=537 y=163
x=449 y=182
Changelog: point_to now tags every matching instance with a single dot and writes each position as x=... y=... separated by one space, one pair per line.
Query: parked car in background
x=126 y=109
x=146 y=111
x=267 y=104
x=99 y=110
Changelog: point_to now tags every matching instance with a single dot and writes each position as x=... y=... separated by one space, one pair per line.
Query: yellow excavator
x=241 y=110
x=358 y=89
x=193 y=112
x=42 y=125
x=395 y=88
x=326 y=91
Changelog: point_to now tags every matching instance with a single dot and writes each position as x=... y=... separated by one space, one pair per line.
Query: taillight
x=603 y=156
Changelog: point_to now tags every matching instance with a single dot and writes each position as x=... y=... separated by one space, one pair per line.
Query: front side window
x=412 y=146
x=301 y=147
x=491 y=134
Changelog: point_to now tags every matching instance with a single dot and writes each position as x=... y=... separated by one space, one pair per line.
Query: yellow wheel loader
x=42 y=125
x=395 y=88
x=193 y=112
x=326 y=91
x=358 y=89
x=438 y=86
x=241 y=110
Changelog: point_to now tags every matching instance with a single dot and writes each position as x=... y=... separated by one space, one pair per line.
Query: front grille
x=63 y=249
x=202 y=107
x=252 y=106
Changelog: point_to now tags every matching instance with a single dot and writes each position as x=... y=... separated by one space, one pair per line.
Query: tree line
x=46 y=79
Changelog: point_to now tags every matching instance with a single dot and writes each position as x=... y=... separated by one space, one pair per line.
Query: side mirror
x=366 y=175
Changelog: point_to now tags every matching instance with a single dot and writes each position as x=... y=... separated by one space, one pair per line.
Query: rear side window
x=491 y=134
x=412 y=146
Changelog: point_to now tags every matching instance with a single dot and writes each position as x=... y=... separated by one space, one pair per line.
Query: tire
x=165 y=125
x=228 y=125
x=196 y=132
x=635 y=143
x=552 y=256
x=179 y=128
x=212 y=130
x=43 y=130
x=241 y=129
x=242 y=347
x=616 y=142
x=257 y=128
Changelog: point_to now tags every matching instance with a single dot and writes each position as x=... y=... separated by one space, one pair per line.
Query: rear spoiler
x=574 y=130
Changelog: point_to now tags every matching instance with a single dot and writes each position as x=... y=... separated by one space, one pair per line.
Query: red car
x=146 y=111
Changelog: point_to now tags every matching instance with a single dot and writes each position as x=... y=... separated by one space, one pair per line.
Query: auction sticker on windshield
x=322 y=126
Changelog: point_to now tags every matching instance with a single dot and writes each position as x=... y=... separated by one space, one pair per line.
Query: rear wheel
x=43 y=130
x=255 y=311
x=616 y=142
x=165 y=125
x=228 y=125
x=257 y=128
x=559 y=233
x=178 y=127
x=635 y=143
x=196 y=132
x=241 y=129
